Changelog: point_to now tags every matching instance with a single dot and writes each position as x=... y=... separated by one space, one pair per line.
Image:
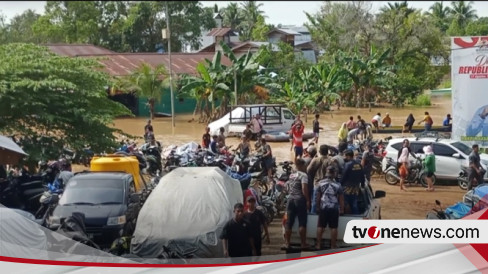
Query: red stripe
x=91 y=264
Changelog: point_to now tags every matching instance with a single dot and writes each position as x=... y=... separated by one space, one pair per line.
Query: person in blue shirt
x=447 y=121
x=213 y=144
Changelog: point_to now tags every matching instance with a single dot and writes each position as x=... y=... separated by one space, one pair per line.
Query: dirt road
x=413 y=204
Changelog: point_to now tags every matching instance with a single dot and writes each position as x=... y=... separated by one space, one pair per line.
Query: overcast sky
x=286 y=13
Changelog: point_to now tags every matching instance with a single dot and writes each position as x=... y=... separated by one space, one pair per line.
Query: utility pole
x=168 y=33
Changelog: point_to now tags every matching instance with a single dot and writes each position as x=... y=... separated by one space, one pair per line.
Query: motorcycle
x=416 y=173
x=438 y=214
x=278 y=191
x=153 y=159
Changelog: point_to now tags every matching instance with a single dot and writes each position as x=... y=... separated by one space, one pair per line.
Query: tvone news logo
x=375 y=232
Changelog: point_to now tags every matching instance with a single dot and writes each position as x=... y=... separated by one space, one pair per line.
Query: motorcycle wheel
x=423 y=182
x=263 y=186
x=463 y=183
x=390 y=177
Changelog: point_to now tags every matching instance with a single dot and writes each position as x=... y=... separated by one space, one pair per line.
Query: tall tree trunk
x=151 y=102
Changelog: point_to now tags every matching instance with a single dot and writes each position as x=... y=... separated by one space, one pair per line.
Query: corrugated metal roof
x=219 y=32
x=72 y=50
x=285 y=31
x=121 y=64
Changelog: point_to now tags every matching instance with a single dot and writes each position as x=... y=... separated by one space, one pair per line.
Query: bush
x=422 y=100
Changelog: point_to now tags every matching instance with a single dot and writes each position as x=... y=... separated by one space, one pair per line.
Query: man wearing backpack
x=316 y=171
x=330 y=204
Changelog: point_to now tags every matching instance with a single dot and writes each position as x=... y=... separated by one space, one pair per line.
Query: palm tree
x=463 y=12
x=441 y=14
x=232 y=16
x=398 y=7
x=147 y=82
x=251 y=12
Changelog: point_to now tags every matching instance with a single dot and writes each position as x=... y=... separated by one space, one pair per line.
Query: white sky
x=286 y=13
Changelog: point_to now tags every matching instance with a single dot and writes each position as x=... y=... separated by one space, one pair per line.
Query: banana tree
x=146 y=82
x=210 y=85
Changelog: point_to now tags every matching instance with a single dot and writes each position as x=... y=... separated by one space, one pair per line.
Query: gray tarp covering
x=20 y=237
x=187 y=210
x=10 y=152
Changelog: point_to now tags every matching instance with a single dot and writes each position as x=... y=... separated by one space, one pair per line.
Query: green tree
x=478 y=27
x=250 y=13
x=20 y=28
x=341 y=26
x=61 y=99
x=148 y=83
x=463 y=12
x=260 y=31
x=232 y=16
x=441 y=15
x=3 y=29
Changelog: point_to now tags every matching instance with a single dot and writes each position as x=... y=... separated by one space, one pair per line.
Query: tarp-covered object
x=187 y=210
x=10 y=152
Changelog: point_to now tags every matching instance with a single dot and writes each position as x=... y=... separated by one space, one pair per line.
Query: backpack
x=329 y=196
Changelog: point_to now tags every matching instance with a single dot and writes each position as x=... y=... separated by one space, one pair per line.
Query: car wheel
x=463 y=183
x=391 y=177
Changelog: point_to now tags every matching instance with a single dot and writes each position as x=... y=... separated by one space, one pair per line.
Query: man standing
x=206 y=138
x=316 y=129
x=429 y=163
x=257 y=126
x=298 y=203
x=352 y=180
x=221 y=138
x=257 y=223
x=316 y=171
x=476 y=171
x=297 y=131
x=367 y=162
x=362 y=127
x=427 y=121
x=236 y=235
x=310 y=155
x=148 y=130
x=330 y=203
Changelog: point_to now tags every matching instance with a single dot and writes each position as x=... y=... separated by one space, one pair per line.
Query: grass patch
x=422 y=100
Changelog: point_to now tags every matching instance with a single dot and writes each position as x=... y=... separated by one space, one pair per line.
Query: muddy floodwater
x=186 y=131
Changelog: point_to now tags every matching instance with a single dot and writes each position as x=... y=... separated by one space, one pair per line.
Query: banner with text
x=469 y=70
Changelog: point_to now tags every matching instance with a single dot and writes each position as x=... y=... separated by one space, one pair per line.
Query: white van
x=276 y=118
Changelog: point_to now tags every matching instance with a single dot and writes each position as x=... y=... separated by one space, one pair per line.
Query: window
x=93 y=192
x=288 y=115
x=443 y=150
x=397 y=146
x=132 y=188
x=418 y=147
x=462 y=147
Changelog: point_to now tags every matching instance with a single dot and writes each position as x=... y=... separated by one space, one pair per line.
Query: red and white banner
x=469 y=70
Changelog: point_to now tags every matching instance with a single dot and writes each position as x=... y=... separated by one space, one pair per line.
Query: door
x=288 y=119
x=446 y=165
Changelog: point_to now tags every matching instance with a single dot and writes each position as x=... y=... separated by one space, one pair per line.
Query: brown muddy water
x=331 y=121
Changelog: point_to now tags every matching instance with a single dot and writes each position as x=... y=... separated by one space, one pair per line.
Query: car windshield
x=93 y=192
x=462 y=147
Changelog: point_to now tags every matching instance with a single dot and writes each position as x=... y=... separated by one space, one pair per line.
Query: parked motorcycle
x=438 y=213
x=278 y=191
x=416 y=173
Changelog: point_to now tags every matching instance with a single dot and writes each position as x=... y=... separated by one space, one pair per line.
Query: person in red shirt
x=297 y=132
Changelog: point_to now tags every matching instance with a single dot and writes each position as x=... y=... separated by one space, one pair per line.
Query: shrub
x=422 y=100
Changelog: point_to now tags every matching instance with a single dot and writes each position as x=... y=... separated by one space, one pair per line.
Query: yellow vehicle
x=114 y=162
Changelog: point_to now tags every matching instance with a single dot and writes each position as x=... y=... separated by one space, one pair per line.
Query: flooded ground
x=413 y=204
x=186 y=131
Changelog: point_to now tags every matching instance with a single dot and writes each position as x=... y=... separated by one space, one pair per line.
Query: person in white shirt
x=376 y=120
x=404 y=161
